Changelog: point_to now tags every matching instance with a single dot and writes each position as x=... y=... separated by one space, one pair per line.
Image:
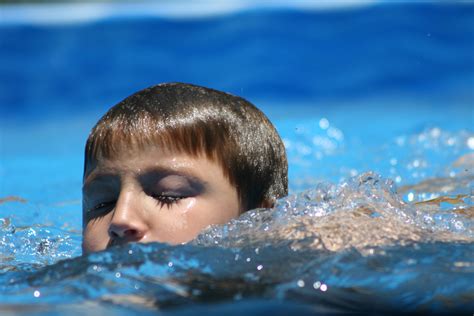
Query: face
x=153 y=195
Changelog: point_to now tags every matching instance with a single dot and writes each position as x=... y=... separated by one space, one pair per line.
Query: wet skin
x=153 y=195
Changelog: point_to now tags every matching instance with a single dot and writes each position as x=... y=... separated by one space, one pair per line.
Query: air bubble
x=470 y=142
x=323 y=123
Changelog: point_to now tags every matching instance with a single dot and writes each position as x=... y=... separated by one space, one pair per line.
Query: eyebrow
x=161 y=172
x=95 y=176
x=157 y=171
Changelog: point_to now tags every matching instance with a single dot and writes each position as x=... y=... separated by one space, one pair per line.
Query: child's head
x=172 y=159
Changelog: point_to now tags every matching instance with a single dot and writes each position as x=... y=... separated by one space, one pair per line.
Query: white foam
x=71 y=13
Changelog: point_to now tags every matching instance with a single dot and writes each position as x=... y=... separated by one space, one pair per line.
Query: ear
x=267 y=203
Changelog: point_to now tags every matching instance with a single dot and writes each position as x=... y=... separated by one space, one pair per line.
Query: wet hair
x=198 y=121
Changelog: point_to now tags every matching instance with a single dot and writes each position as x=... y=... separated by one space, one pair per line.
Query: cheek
x=183 y=217
x=187 y=206
x=183 y=222
x=200 y=213
x=95 y=236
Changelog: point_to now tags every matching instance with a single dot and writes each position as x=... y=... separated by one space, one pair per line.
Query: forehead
x=152 y=159
x=125 y=151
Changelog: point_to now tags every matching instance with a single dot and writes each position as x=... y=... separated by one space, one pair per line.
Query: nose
x=126 y=232
x=128 y=223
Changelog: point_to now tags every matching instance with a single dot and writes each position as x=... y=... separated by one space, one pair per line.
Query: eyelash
x=167 y=200
x=162 y=200
x=100 y=206
x=99 y=210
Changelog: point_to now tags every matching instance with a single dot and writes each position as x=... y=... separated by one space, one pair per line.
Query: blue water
x=383 y=88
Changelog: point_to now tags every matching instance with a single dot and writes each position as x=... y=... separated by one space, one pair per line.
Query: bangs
x=113 y=134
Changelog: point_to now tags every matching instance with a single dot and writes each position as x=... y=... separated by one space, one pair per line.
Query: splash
x=363 y=212
x=26 y=248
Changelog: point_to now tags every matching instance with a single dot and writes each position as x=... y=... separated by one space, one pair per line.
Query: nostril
x=130 y=233
x=113 y=234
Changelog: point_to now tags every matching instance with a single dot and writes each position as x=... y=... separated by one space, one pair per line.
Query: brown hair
x=196 y=120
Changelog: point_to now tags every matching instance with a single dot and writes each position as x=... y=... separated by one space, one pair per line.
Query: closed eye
x=100 y=209
x=101 y=205
x=167 y=199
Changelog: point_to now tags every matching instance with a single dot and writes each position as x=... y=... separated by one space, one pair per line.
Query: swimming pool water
x=375 y=106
